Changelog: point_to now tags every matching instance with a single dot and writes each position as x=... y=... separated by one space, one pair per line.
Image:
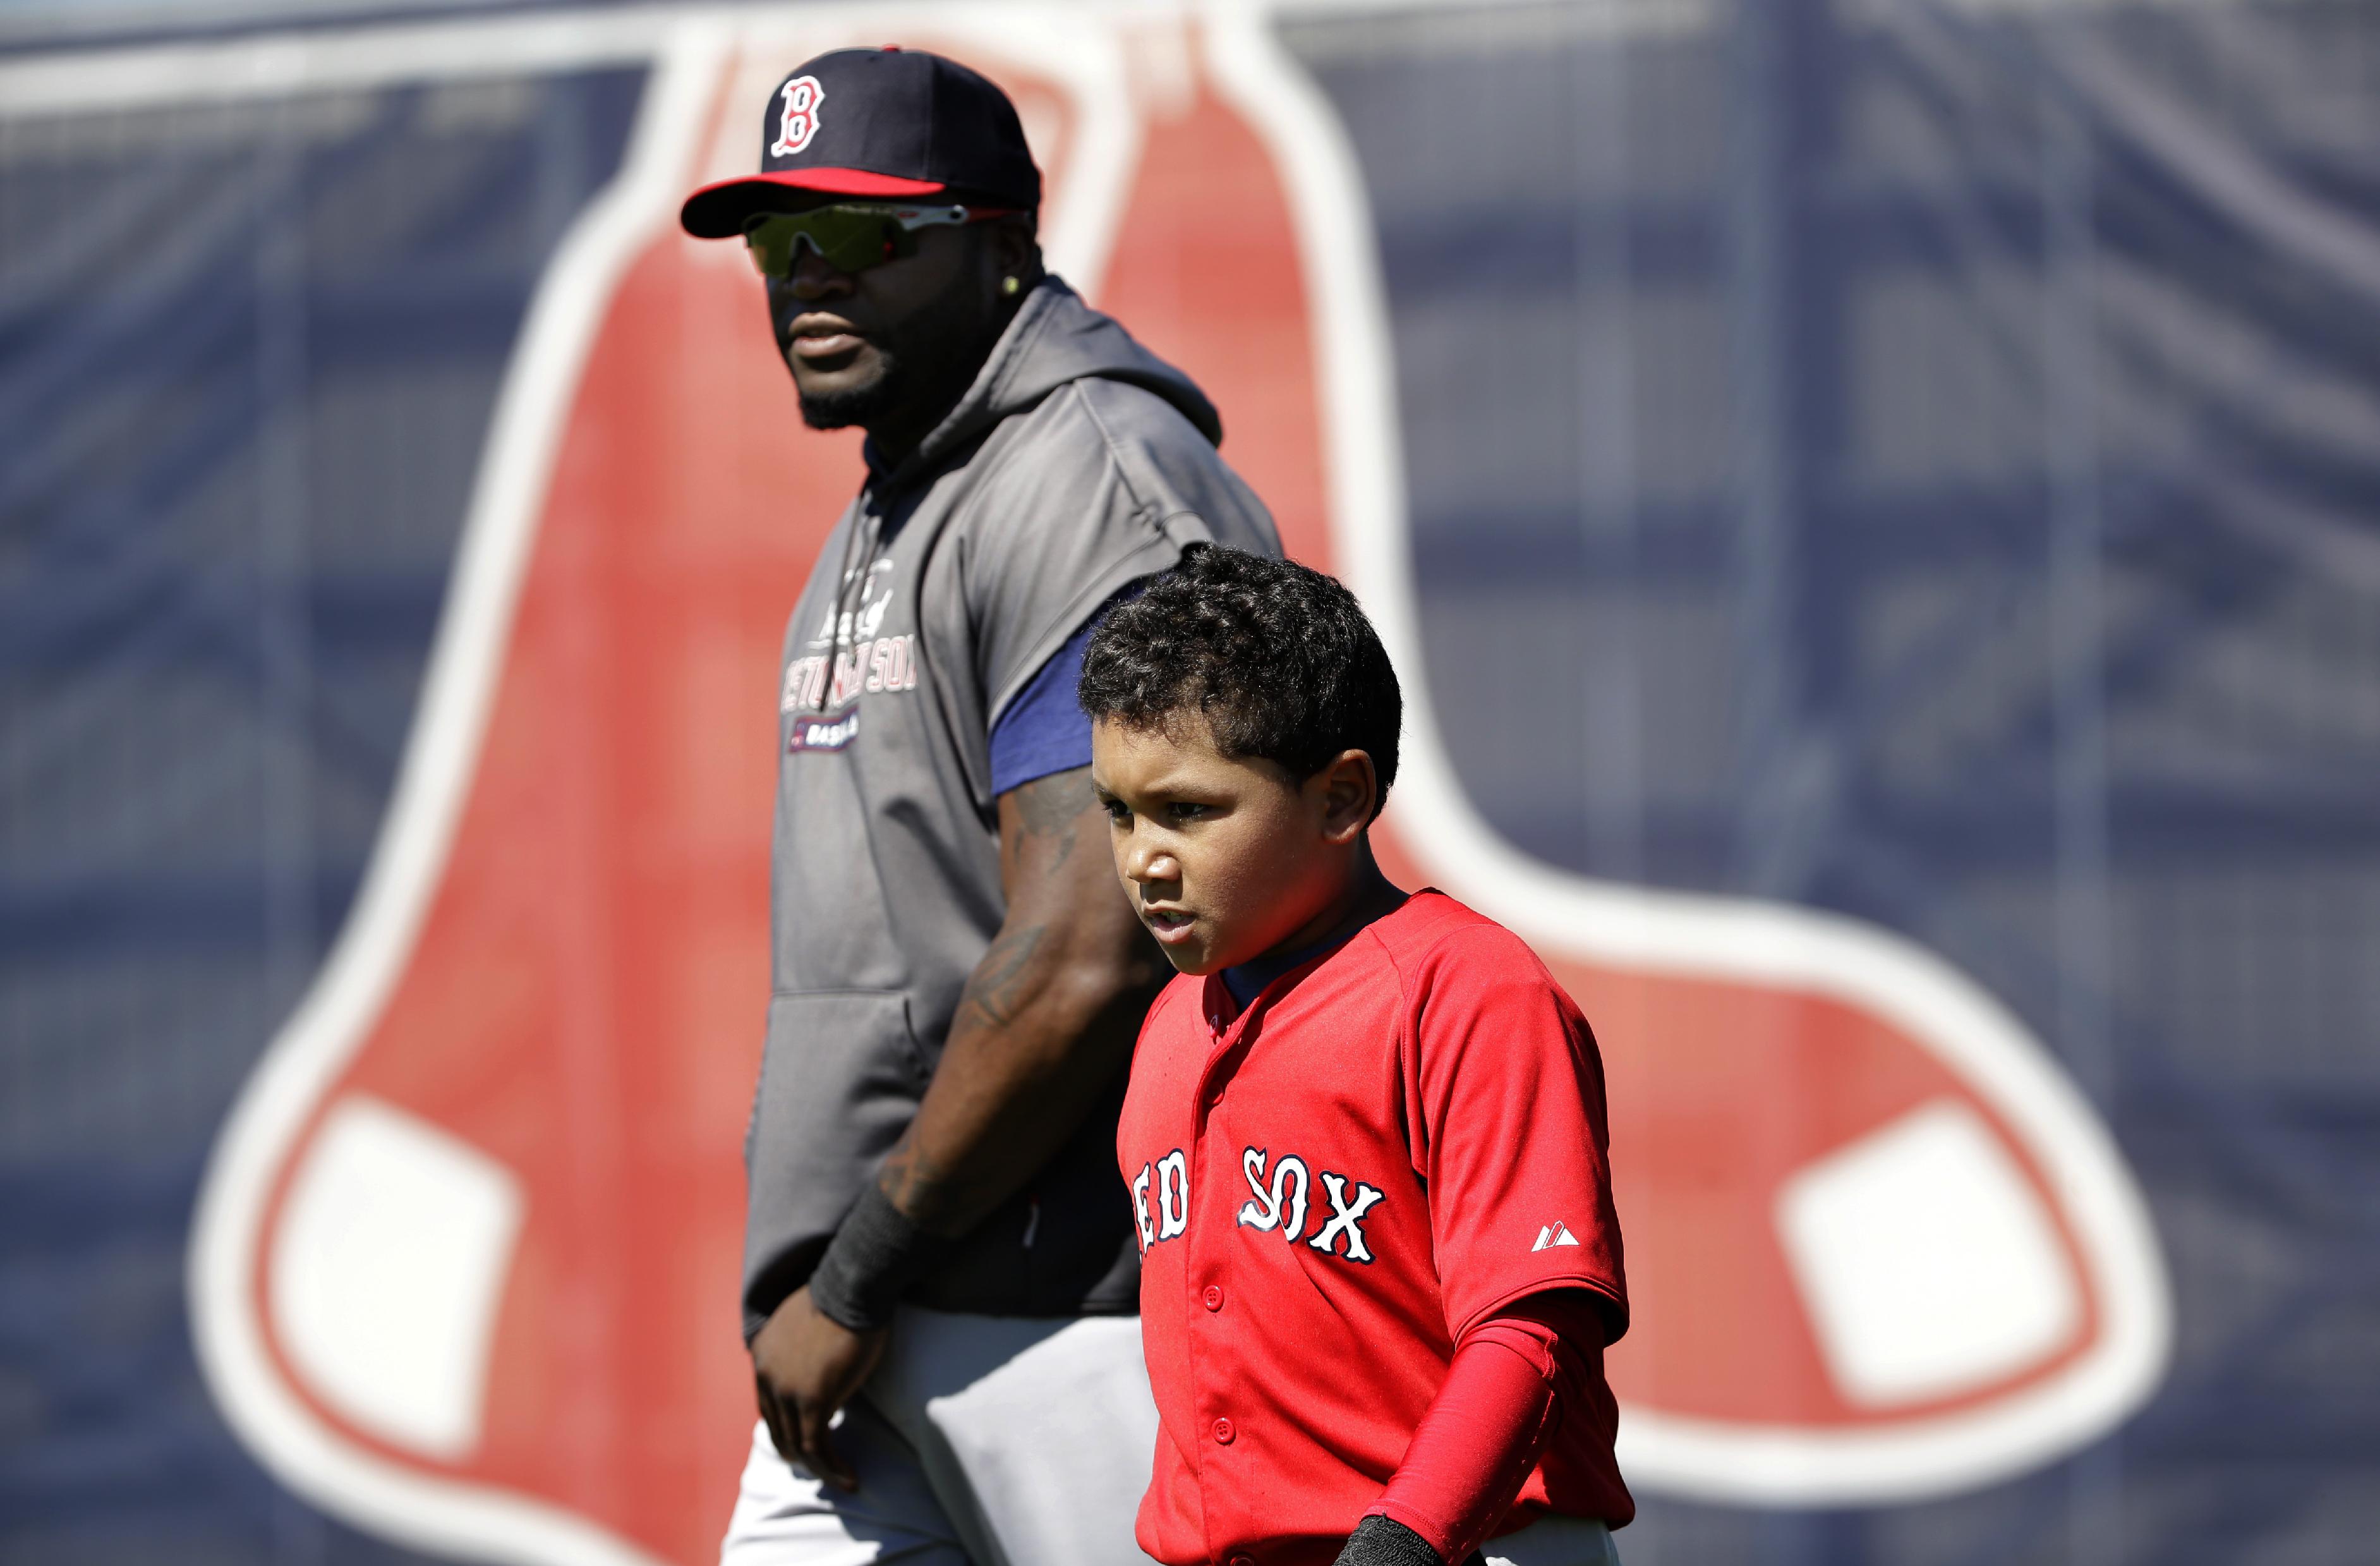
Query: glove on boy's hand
x=1382 y=1541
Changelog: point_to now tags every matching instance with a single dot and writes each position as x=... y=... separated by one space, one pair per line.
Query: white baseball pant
x=980 y=1441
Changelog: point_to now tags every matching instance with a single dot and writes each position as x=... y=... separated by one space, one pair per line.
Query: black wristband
x=872 y=1259
x=1384 y=1541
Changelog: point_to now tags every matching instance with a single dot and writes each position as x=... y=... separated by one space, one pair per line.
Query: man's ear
x=1348 y=789
x=1016 y=247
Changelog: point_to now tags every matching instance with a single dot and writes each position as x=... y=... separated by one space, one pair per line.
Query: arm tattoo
x=994 y=990
x=913 y=1181
x=1051 y=808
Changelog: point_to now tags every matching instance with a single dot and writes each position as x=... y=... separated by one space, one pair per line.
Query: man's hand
x=805 y=1368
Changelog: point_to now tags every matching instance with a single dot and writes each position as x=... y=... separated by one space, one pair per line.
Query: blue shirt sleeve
x=1044 y=730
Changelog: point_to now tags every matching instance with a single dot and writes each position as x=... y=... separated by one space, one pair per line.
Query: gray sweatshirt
x=1076 y=464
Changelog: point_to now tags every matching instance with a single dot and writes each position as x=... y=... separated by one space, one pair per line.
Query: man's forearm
x=1046 y=1022
x=1041 y=1034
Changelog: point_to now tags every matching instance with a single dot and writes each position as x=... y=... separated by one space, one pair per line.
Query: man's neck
x=896 y=437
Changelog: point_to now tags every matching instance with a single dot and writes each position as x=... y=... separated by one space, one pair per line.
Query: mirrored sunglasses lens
x=769 y=243
x=856 y=242
x=847 y=241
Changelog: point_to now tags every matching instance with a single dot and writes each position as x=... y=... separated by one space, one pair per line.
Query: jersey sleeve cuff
x=1407 y=1517
x=1609 y=1303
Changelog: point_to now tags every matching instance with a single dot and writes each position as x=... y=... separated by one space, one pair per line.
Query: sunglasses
x=849 y=235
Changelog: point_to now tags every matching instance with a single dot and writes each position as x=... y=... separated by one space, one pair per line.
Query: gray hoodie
x=1076 y=464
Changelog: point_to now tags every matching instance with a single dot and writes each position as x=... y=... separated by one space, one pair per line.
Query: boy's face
x=1225 y=860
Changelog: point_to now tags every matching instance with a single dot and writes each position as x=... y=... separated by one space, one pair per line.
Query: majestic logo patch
x=1557 y=1234
x=829 y=731
x=799 y=121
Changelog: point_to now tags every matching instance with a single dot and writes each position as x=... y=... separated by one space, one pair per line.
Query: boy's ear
x=1348 y=789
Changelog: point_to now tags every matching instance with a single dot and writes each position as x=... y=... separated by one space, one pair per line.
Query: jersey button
x=1223 y=1432
x=1244 y=1560
x=1214 y=1296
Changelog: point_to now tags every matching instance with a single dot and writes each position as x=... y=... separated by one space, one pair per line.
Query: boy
x=1365 y=1130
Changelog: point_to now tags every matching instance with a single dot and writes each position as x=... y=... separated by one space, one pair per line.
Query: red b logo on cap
x=803 y=95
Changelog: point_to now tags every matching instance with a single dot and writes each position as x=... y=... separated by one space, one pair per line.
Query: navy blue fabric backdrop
x=245 y=367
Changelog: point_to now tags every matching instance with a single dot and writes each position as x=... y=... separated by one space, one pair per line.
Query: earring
x=1009 y=286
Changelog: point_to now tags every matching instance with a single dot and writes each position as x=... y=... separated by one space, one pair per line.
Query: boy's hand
x=805 y=1368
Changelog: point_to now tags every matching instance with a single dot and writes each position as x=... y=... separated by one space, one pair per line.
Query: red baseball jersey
x=1387 y=1147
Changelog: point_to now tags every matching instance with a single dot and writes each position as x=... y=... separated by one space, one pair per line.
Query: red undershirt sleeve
x=1505 y=1391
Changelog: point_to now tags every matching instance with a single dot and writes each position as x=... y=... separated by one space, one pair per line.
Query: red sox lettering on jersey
x=1280 y=1206
x=1361 y=1162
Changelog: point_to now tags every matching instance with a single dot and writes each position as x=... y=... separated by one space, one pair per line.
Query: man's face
x=899 y=339
x=1223 y=859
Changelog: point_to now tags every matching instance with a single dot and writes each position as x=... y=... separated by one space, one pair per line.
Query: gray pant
x=1554 y=1541
x=979 y=1441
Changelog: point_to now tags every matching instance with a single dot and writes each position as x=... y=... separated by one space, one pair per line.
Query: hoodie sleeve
x=1103 y=483
x=1043 y=729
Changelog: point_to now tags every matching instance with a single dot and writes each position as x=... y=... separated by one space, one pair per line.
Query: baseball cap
x=875 y=124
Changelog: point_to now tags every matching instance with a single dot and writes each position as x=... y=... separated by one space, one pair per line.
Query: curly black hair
x=1277 y=657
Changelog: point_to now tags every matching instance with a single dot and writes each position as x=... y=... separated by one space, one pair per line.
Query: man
x=940 y=1267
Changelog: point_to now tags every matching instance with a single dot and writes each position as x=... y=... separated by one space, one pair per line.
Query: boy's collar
x=1246 y=981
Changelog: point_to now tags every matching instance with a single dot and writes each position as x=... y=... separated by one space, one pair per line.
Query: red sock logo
x=465 y=1270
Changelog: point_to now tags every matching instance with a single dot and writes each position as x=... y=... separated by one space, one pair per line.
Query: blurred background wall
x=1914 y=460
x=247 y=370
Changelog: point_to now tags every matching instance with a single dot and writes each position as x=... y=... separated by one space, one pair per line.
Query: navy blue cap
x=884 y=124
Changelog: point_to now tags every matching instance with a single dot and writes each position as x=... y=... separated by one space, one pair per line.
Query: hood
x=1054 y=338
